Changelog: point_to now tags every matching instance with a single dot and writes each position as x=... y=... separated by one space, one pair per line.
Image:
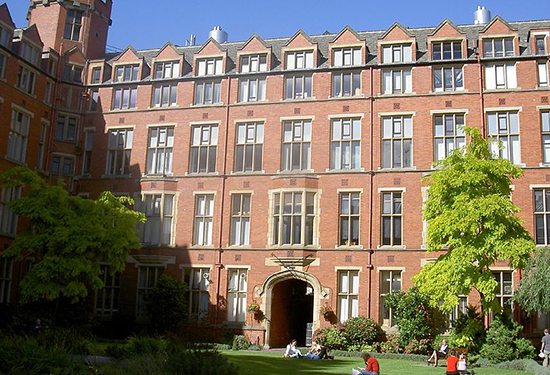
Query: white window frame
x=350 y=213
x=345 y=148
x=107 y=299
x=542 y=70
x=456 y=78
x=124 y=98
x=240 y=219
x=119 y=146
x=346 y=56
x=507 y=50
x=500 y=128
x=165 y=95
x=62 y=163
x=4 y=37
x=42 y=145
x=237 y=290
x=303 y=218
x=26 y=80
x=249 y=143
x=203 y=228
x=143 y=288
x=346 y=84
x=209 y=66
x=160 y=148
x=503 y=293
x=391 y=277
x=254 y=63
x=66 y=128
x=73 y=25
x=207 y=92
x=500 y=76
x=395 y=197
x=297 y=132
x=298 y=87
x=167 y=69
x=299 y=60
x=397 y=129
x=8 y=220
x=397 y=53
x=252 y=90
x=159 y=209
x=29 y=53
x=18 y=136
x=541 y=212
x=348 y=294
x=455 y=46
x=397 y=81
x=198 y=295
x=203 y=136
x=87 y=150
x=545 y=132
x=126 y=73
x=444 y=140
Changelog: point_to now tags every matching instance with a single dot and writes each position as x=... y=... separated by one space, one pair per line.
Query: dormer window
x=96 y=75
x=540 y=47
x=253 y=63
x=446 y=50
x=397 y=53
x=29 y=53
x=299 y=60
x=167 y=69
x=72 y=73
x=209 y=67
x=125 y=73
x=500 y=47
x=4 y=37
x=73 y=25
x=346 y=56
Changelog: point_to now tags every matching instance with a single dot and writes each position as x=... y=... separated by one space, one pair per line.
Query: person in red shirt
x=373 y=368
x=452 y=362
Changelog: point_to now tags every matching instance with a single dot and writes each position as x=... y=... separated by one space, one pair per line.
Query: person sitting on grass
x=452 y=362
x=291 y=350
x=441 y=353
x=372 y=366
x=314 y=351
x=462 y=366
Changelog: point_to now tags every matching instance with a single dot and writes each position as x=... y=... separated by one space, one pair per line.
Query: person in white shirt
x=441 y=353
x=291 y=351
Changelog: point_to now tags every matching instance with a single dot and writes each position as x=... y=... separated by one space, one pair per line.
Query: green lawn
x=262 y=363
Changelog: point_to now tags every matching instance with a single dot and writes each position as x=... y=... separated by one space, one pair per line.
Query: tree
x=68 y=236
x=532 y=293
x=167 y=304
x=471 y=216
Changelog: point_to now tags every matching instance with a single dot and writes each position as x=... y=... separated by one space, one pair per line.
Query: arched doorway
x=274 y=307
x=291 y=312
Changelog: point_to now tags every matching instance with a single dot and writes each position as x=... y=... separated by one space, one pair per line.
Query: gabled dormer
x=254 y=56
x=28 y=45
x=74 y=64
x=129 y=66
x=168 y=63
x=397 y=45
x=210 y=59
x=6 y=26
x=447 y=42
x=499 y=39
x=347 y=49
x=540 y=42
x=300 y=52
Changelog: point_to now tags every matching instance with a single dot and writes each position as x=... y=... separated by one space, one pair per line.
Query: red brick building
x=283 y=172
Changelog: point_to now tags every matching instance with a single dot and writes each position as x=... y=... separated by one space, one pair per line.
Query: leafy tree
x=412 y=315
x=69 y=236
x=167 y=304
x=532 y=293
x=471 y=216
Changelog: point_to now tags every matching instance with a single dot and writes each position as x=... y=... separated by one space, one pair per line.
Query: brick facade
x=315 y=251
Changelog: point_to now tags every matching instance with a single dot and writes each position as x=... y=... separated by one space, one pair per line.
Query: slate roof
x=371 y=38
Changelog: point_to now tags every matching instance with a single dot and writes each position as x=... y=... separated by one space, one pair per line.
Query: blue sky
x=150 y=24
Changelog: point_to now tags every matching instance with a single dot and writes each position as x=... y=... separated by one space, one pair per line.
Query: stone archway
x=266 y=293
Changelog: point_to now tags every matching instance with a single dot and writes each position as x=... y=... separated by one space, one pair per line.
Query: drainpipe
x=54 y=100
x=224 y=178
x=371 y=192
x=481 y=95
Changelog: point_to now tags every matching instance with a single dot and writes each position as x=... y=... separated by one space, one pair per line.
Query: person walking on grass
x=372 y=366
x=545 y=348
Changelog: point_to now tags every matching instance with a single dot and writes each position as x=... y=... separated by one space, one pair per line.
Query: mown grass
x=268 y=363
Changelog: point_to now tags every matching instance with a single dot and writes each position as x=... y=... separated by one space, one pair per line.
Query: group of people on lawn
x=455 y=365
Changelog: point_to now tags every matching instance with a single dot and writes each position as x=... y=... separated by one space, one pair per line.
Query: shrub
x=22 y=355
x=201 y=331
x=503 y=343
x=240 y=342
x=391 y=345
x=331 y=338
x=139 y=346
x=360 y=331
x=468 y=331
x=417 y=347
x=412 y=315
x=70 y=339
x=255 y=348
x=167 y=304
